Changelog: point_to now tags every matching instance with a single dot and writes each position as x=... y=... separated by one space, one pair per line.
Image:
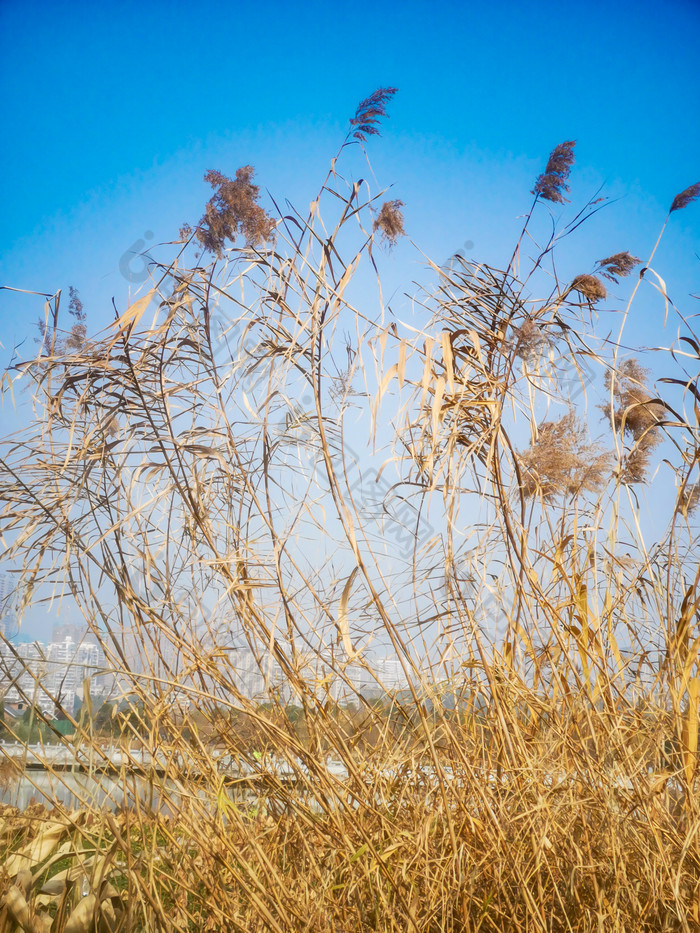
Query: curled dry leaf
x=82 y=918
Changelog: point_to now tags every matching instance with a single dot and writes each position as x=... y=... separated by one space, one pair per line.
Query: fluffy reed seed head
x=551 y=185
x=638 y=416
x=690 y=498
x=562 y=461
x=75 y=340
x=635 y=407
x=618 y=266
x=369 y=112
x=590 y=287
x=685 y=198
x=389 y=221
x=529 y=340
x=232 y=211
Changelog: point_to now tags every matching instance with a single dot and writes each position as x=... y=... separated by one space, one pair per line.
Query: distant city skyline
x=53 y=676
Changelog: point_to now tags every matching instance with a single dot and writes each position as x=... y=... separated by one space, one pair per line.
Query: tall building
x=68 y=664
x=51 y=676
x=22 y=670
x=8 y=616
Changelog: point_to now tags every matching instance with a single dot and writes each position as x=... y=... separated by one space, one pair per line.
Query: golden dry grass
x=192 y=481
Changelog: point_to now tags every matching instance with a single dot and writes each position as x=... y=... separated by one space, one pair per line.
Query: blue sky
x=113 y=113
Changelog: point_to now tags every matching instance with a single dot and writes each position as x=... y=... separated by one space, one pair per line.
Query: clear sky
x=113 y=112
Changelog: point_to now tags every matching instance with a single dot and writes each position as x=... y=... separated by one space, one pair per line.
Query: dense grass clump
x=473 y=653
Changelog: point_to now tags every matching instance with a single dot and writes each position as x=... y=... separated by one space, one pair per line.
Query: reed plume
x=617 y=266
x=232 y=211
x=389 y=221
x=369 y=112
x=561 y=460
x=551 y=185
x=686 y=197
x=590 y=287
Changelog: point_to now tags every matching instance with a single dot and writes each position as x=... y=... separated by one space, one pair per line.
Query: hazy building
x=382 y=675
x=51 y=676
x=22 y=670
x=68 y=665
x=9 y=625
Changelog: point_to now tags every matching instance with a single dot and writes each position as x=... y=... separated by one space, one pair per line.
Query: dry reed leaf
x=342 y=621
x=448 y=358
x=345 y=280
x=401 y=363
x=661 y=288
x=134 y=313
x=27 y=919
x=690 y=731
x=476 y=344
x=82 y=918
x=386 y=379
x=436 y=406
x=38 y=850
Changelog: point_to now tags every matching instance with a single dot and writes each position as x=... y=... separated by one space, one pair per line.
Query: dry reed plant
x=197 y=484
